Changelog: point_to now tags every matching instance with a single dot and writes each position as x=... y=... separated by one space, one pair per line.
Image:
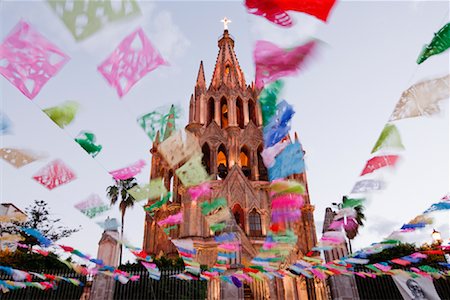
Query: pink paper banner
x=128 y=172
x=29 y=59
x=133 y=59
x=273 y=62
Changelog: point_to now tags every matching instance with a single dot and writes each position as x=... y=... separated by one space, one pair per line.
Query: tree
x=38 y=217
x=351 y=234
x=119 y=191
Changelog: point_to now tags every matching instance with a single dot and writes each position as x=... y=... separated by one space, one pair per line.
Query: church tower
x=226 y=118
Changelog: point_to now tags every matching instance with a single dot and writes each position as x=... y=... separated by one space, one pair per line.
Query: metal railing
x=166 y=288
x=383 y=287
x=63 y=291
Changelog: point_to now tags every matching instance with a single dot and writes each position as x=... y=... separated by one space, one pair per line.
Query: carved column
x=213 y=161
x=217 y=112
x=246 y=113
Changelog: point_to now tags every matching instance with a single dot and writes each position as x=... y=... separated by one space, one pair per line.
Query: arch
x=210 y=112
x=262 y=170
x=252 y=111
x=239 y=216
x=206 y=159
x=222 y=162
x=240 y=112
x=224 y=114
x=254 y=222
x=244 y=161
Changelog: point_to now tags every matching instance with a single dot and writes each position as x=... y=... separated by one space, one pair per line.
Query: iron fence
x=167 y=288
x=63 y=290
x=383 y=287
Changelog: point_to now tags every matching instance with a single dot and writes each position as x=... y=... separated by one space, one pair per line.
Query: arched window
x=240 y=112
x=238 y=214
x=224 y=112
x=210 y=111
x=222 y=162
x=254 y=220
x=244 y=161
x=262 y=170
x=252 y=111
x=206 y=157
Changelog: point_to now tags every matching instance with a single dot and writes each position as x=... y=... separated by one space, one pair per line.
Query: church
x=226 y=118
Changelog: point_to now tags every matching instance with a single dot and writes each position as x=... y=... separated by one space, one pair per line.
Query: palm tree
x=351 y=234
x=120 y=191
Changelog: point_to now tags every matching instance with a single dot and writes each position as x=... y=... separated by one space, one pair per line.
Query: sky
x=342 y=100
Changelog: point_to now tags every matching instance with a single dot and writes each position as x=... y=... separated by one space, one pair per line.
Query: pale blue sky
x=342 y=99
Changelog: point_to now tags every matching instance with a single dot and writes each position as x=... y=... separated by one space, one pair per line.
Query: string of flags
x=127 y=65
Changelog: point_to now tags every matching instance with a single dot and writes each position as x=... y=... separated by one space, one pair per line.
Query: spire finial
x=225 y=22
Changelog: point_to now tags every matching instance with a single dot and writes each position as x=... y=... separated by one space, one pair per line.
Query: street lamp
x=437 y=238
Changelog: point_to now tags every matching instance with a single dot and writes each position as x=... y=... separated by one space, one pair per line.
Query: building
x=226 y=118
x=10 y=212
x=341 y=287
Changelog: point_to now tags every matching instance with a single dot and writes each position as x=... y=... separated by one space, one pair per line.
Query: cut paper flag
x=157 y=120
x=152 y=269
x=128 y=172
x=445 y=205
x=268 y=154
x=37 y=235
x=54 y=174
x=174 y=150
x=17 y=157
x=439 y=44
x=158 y=204
x=5 y=124
x=268 y=100
x=378 y=162
x=279 y=126
x=132 y=60
x=29 y=59
x=192 y=172
x=270 y=11
x=367 y=185
x=215 y=204
x=273 y=62
x=276 y=10
x=289 y=162
x=172 y=219
x=287 y=187
x=351 y=202
x=92 y=206
x=389 y=138
x=84 y=18
x=154 y=189
x=63 y=114
x=198 y=191
x=422 y=99
x=87 y=141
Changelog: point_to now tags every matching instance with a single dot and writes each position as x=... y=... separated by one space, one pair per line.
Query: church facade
x=226 y=118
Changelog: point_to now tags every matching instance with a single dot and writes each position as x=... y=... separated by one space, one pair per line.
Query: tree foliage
x=38 y=217
x=405 y=250
x=25 y=260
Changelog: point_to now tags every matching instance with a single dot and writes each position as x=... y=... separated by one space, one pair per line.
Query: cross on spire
x=225 y=22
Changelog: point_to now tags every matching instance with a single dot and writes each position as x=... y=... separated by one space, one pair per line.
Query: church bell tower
x=225 y=117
